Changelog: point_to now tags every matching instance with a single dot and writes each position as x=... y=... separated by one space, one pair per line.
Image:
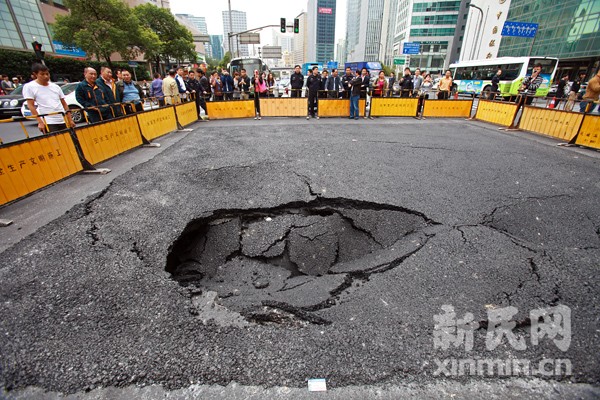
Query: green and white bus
x=475 y=77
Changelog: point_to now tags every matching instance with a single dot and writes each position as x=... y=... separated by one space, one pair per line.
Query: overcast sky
x=258 y=13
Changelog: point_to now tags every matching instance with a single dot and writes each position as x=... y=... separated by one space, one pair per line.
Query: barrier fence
x=33 y=163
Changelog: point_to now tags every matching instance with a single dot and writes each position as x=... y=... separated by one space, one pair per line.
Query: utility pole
x=230 y=30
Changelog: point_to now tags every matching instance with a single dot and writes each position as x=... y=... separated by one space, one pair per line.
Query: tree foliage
x=102 y=28
x=174 y=40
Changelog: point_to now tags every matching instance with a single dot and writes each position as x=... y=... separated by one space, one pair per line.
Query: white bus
x=475 y=77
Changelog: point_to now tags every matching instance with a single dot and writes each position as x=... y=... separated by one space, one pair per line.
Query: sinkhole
x=282 y=264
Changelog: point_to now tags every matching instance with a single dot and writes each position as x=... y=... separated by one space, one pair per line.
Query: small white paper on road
x=317 y=385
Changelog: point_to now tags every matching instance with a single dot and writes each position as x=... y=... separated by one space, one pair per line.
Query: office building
x=340 y=52
x=216 y=47
x=22 y=23
x=569 y=30
x=238 y=24
x=363 y=36
x=388 y=31
x=300 y=42
x=320 y=27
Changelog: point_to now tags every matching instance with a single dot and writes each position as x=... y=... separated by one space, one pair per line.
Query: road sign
x=132 y=64
x=411 y=48
x=201 y=38
x=399 y=61
x=332 y=65
x=249 y=38
x=271 y=52
x=520 y=29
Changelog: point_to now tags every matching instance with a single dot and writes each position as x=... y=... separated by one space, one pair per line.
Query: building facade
x=216 y=47
x=21 y=23
x=320 y=26
x=569 y=30
x=300 y=42
x=364 y=30
x=238 y=24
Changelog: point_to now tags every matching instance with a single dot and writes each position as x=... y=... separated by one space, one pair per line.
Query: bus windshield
x=249 y=64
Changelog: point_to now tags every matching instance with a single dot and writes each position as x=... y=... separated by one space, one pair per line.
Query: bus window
x=548 y=65
x=511 y=72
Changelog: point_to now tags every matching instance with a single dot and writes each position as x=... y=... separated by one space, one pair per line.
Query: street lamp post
x=478 y=30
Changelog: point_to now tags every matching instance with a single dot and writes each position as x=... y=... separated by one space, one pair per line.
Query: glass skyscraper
x=321 y=30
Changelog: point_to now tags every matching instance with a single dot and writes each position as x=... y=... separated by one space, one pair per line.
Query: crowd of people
x=105 y=96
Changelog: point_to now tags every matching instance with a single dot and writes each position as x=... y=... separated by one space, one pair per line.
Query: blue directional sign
x=332 y=64
x=411 y=48
x=520 y=29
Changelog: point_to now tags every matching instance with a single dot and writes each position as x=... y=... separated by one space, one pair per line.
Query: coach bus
x=475 y=77
x=372 y=66
x=250 y=64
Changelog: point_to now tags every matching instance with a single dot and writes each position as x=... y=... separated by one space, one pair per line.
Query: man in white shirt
x=49 y=99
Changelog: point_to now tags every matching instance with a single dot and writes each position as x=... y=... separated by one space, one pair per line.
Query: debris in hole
x=281 y=265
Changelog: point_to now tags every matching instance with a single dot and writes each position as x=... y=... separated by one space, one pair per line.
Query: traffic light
x=296 y=25
x=283 y=27
x=37 y=47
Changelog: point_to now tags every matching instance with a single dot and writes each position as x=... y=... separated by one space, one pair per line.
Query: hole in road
x=278 y=265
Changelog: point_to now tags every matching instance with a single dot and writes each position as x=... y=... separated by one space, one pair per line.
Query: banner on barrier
x=158 y=122
x=33 y=164
x=555 y=123
x=496 y=112
x=288 y=107
x=105 y=140
x=339 y=107
x=589 y=135
x=448 y=108
x=393 y=107
x=187 y=113
x=230 y=109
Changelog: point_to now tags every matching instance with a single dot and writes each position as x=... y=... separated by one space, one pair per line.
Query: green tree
x=387 y=70
x=225 y=60
x=102 y=28
x=175 y=40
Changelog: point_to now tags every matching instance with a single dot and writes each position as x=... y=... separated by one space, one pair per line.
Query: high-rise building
x=433 y=25
x=216 y=47
x=363 y=35
x=300 y=42
x=198 y=22
x=388 y=30
x=238 y=24
x=320 y=27
x=283 y=40
x=340 y=52
x=569 y=30
x=22 y=23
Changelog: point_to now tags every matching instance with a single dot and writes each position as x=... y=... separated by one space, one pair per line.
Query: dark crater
x=280 y=265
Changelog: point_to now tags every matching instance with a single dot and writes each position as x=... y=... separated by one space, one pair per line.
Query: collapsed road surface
x=402 y=252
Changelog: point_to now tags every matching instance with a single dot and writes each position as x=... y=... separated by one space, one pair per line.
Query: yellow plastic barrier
x=496 y=112
x=555 y=123
x=187 y=113
x=30 y=165
x=393 y=107
x=448 y=108
x=105 y=140
x=589 y=134
x=158 y=122
x=339 y=107
x=230 y=109
x=287 y=107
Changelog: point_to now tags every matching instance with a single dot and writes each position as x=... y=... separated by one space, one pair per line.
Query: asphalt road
x=270 y=252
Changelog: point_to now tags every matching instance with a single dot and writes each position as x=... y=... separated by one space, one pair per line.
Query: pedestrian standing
x=355 y=93
x=260 y=90
x=7 y=85
x=296 y=82
x=574 y=90
x=156 y=91
x=193 y=86
x=205 y=91
x=228 y=85
x=495 y=84
x=130 y=92
x=391 y=83
x=271 y=85
x=530 y=85
x=562 y=90
x=380 y=86
x=592 y=92
x=365 y=83
x=108 y=86
x=333 y=85
x=323 y=89
x=406 y=84
x=244 y=85
x=313 y=85
x=217 y=86
x=171 y=89
x=445 y=86
x=347 y=83
x=417 y=82
x=49 y=98
x=424 y=93
x=91 y=97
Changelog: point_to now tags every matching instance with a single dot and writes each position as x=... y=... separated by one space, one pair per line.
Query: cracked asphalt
x=267 y=254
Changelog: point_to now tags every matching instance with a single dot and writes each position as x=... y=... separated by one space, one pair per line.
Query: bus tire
x=485 y=93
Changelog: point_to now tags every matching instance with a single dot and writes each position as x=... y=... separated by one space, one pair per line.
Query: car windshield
x=68 y=88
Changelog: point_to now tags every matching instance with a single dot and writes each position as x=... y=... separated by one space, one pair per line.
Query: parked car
x=10 y=104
